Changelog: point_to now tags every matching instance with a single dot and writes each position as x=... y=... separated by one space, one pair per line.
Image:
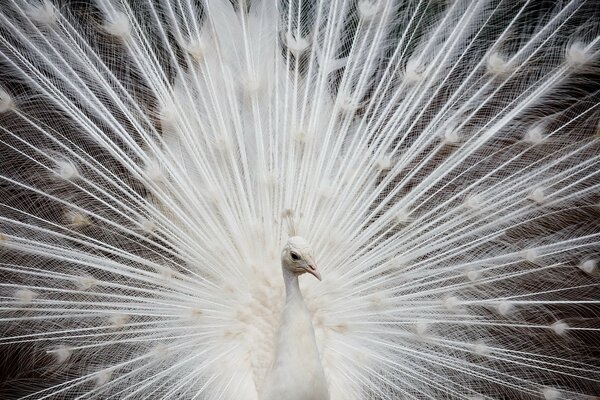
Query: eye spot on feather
x=341 y=328
x=481 y=348
x=168 y=114
x=251 y=84
x=451 y=135
x=154 y=171
x=384 y=163
x=497 y=64
x=6 y=101
x=531 y=255
x=296 y=44
x=505 y=308
x=165 y=275
x=473 y=275
x=61 y=353
x=211 y=195
x=560 y=328
x=473 y=202
x=403 y=217
x=196 y=48
x=535 y=135
x=269 y=179
x=146 y=225
x=66 y=170
x=118 y=320
x=77 y=219
x=347 y=103
x=230 y=289
x=326 y=192
x=302 y=137
x=43 y=13
x=551 y=394
x=25 y=296
x=101 y=378
x=230 y=334
x=368 y=9
x=588 y=266
x=224 y=144
x=422 y=328
x=194 y=313
x=451 y=303
x=414 y=71
x=537 y=195
x=376 y=302
x=160 y=351
x=118 y=25
x=577 y=55
x=86 y=282
x=287 y=213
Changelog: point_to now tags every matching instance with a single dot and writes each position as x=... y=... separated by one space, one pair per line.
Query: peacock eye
x=295 y=256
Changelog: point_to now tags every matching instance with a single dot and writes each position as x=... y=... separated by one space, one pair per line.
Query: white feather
x=441 y=157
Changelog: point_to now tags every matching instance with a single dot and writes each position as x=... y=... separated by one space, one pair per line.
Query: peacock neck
x=292 y=287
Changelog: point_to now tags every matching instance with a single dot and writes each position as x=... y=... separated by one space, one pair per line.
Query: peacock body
x=442 y=158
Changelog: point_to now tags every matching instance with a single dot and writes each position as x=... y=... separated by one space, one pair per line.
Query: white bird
x=297 y=373
x=442 y=158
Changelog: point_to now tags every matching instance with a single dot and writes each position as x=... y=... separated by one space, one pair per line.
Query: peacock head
x=297 y=257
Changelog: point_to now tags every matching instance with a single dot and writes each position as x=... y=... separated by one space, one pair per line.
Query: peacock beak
x=311 y=269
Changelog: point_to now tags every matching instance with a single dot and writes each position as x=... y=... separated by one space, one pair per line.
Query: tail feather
x=441 y=157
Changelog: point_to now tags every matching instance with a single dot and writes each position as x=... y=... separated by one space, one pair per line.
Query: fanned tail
x=442 y=158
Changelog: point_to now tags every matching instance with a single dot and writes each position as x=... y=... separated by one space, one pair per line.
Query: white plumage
x=296 y=373
x=442 y=158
